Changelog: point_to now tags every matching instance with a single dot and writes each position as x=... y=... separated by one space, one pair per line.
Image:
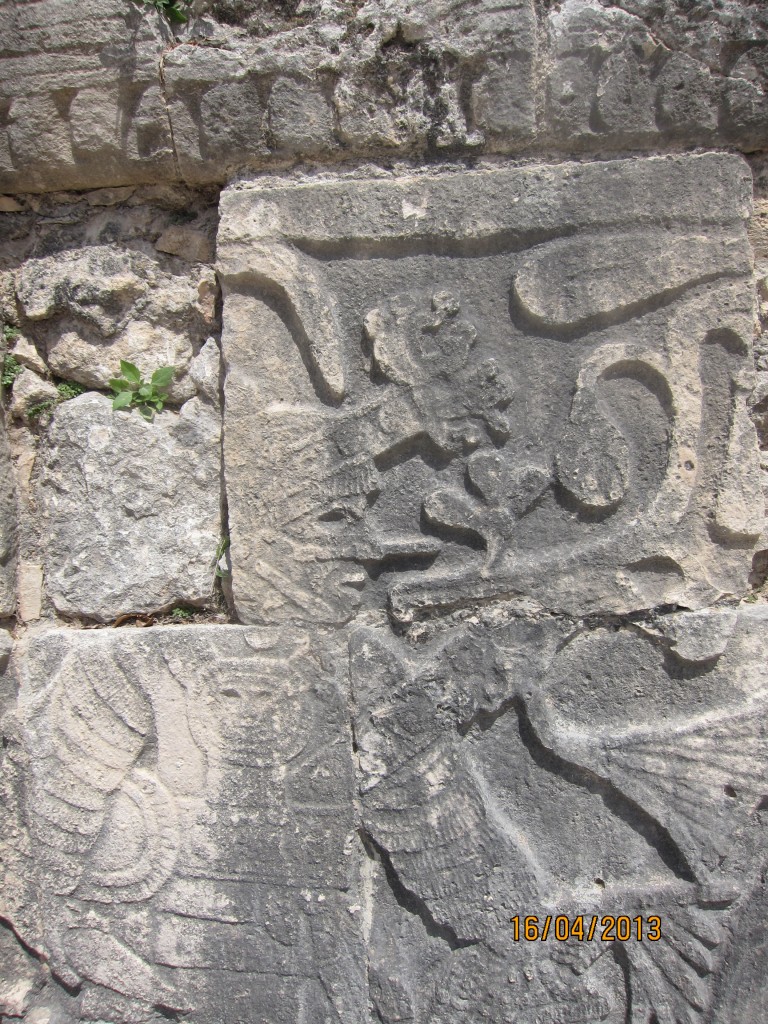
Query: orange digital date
x=608 y=928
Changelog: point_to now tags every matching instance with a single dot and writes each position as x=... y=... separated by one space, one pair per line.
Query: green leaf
x=122 y=400
x=145 y=391
x=118 y=384
x=176 y=14
x=159 y=405
x=162 y=376
x=130 y=372
x=146 y=412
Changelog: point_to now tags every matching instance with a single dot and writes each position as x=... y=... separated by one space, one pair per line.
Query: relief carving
x=544 y=391
x=473 y=771
x=536 y=405
x=488 y=467
x=188 y=805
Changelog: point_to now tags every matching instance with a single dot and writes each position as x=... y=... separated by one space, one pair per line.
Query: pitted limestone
x=549 y=399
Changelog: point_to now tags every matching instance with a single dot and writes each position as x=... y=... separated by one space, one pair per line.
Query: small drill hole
x=730 y=791
x=599 y=882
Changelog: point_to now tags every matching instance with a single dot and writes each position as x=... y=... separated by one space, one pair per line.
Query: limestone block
x=30 y=588
x=38 y=134
x=545 y=768
x=300 y=118
x=628 y=73
x=625 y=96
x=372 y=118
x=205 y=371
x=120 y=97
x=216 y=109
x=30 y=392
x=746 y=117
x=188 y=243
x=96 y=305
x=550 y=401
x=75 y=78
x=10 y=205
x=130 y=508
x=687 y=96
x=27 y=355
x=187 y=821
x=503 y=99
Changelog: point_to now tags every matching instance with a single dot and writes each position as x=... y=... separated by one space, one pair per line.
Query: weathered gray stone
x=94 y=306
x=633 y=73
x=123 y=98
x=300 y=117
x=27 y=355
x=687 y=97
x=503 y=100
x=205 y=371
x=30 y=592
x=130 y=508
x=493 y=490
x=541 y=768
x=193 y=246
x=541 y=407
x=81 y=86
x=187 y=818
x=31 y=394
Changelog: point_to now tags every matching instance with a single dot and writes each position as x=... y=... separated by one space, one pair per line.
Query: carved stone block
x=182 y=835
x=540 y=768
x=452 y=387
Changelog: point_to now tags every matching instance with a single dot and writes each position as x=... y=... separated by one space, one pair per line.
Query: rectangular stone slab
x=452 y=386
x=544 y=770
x=182 y=833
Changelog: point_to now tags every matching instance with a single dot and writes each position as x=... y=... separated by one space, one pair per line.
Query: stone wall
x=435 y=597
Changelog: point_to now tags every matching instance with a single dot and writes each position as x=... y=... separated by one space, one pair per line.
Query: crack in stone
x=40 y=957
x=164 y=93
x=408 y=899
x=618 y=803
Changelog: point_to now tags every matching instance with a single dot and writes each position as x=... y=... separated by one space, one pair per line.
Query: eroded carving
x=488 y=787
x=188 y=802
x=530 y=404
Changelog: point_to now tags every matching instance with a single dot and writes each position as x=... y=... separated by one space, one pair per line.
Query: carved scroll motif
x=524 y=394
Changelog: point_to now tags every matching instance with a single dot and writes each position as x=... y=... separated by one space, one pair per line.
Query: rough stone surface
x=550 y=398
x=540 y=768
x=490 y=512
x=93 y=307
x=31 y=394
x=119 y=96
x=130 y=508
x=81 y=95
x=30 y=591
x=182 y=840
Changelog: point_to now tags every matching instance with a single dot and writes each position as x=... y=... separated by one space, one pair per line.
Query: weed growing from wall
x=174 y=10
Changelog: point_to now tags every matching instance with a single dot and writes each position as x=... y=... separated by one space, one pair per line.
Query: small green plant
x=133 y=392
x=39 y=409
x=10 y=334
x=221 y=547
x=69 y=389
x=181 y=614
x=11 y=370
x=174 y=10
